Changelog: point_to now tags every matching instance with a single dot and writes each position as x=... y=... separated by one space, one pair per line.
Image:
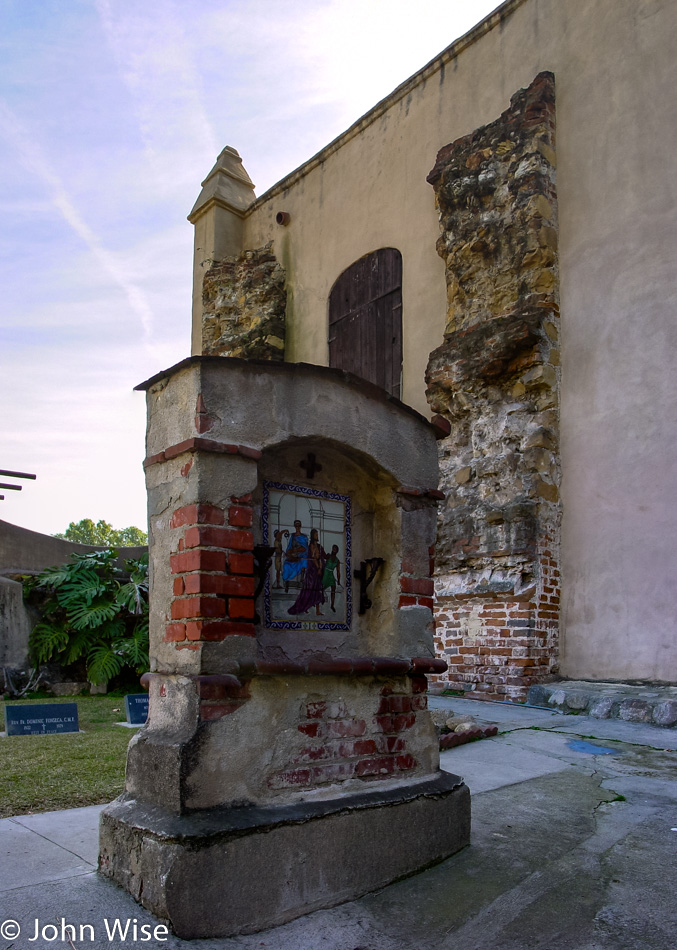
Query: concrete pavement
x=573 y=848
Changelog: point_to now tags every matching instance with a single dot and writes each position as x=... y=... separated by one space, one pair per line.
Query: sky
x=111 y=114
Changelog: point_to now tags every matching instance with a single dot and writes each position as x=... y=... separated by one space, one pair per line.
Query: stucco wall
x=615 y=71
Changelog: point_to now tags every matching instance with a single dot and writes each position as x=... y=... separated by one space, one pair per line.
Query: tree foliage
x=87 y=532
x=94 y=610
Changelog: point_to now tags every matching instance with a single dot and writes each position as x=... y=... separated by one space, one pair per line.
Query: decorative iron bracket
x=365 y=574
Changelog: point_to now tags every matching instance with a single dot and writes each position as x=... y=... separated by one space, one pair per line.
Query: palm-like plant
x=93 y=609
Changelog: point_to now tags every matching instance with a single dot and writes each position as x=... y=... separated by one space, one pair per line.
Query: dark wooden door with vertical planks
x=365 y=319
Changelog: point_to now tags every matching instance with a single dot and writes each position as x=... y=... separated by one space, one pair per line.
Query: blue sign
x=136 y=707
x=39 y=719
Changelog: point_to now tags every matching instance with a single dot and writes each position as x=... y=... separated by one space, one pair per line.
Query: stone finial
x=227 y=184
x=217 y=215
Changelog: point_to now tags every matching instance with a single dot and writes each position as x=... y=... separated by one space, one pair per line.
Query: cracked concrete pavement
x=573 y=848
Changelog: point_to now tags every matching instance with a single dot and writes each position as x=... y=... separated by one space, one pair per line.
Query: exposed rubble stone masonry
x=337 y=746
x=244 y=301
x=495 y=379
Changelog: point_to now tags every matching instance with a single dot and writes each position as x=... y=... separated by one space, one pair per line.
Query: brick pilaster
x=213 y=591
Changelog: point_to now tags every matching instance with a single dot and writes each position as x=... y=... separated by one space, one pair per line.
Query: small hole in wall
x=283 y=218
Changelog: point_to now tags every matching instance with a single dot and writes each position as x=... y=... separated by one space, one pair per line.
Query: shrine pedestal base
x=239 y=870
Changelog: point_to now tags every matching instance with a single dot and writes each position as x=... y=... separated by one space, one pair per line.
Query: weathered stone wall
x=244 y=302
x=495 y=378
x=16 y=624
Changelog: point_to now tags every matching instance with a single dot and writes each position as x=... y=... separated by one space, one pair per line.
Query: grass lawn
x=44 y=773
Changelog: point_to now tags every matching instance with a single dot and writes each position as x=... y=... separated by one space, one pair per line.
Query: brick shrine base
x=243 y=869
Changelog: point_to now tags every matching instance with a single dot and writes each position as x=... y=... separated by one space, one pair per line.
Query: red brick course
x=197 y=561
x=175 y=632
x=197 y=514
x=216 y=585
x=219 y=584
x=498 y=646
x=417 y=585
x=241 y=563
x=218 y=630
x=347 y=747
x=407 y=600
x=240 y=517
x=213 y=537
x=240 y=608
x=201 y=445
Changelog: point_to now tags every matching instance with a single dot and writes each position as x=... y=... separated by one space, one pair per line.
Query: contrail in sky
x=32 y=156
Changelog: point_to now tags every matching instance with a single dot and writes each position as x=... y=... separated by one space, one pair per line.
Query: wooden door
x=365 y=319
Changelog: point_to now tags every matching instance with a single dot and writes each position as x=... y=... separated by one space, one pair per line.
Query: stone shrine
x=289 y=762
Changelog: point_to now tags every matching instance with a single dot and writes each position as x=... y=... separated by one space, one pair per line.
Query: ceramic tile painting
x=308 y=584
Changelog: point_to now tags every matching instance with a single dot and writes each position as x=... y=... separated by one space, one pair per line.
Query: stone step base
x=652 y=704
x=240 y=870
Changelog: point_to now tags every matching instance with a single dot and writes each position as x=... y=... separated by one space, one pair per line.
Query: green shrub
x=92 y=609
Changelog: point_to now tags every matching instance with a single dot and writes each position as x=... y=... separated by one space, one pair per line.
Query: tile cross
x=311 y=465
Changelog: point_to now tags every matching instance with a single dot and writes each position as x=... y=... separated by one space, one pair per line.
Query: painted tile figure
x=296 y=558
x=312 y=591
x=310 y=534
x=278 y=537
x=331 y=575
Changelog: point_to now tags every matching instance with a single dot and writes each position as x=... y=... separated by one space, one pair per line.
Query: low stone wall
x=656 y=705
x=16 y=623
x=29 y=552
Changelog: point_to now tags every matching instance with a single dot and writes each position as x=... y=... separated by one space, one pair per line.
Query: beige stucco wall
x=616 y=139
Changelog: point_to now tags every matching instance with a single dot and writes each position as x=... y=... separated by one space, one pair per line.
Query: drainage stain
x=580 y=745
